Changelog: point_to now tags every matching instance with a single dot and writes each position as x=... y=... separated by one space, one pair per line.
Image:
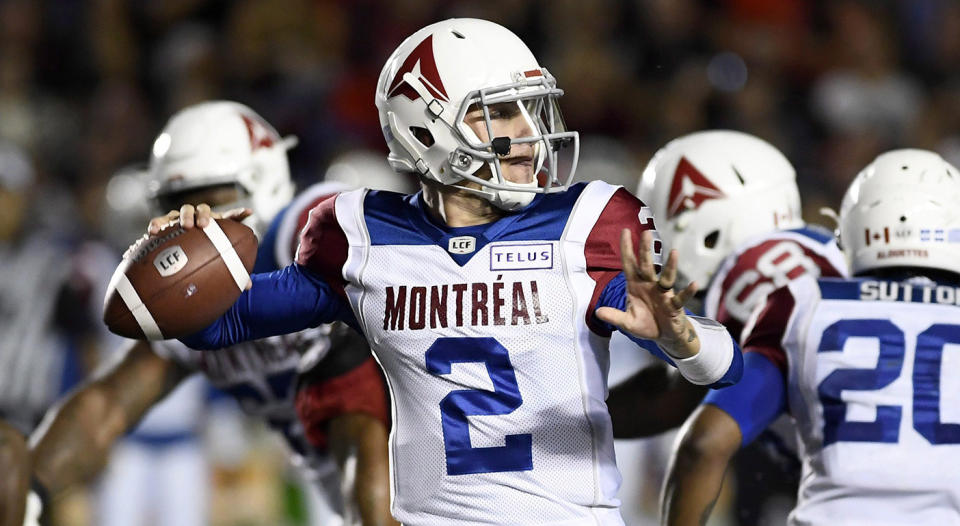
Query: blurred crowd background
x=85 y=86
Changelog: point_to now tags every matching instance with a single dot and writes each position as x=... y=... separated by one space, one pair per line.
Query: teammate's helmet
x=902 y=211
x=709 y=191
x=436 y=75
x=222 y=143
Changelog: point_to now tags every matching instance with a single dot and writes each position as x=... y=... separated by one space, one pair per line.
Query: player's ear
x=423 y=135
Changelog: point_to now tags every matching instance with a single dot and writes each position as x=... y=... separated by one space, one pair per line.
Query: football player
x=862 y=365
x=224 y=154
x=729 y=202
x=488 y=297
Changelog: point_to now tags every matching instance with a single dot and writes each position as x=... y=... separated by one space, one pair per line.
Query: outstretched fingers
x=627 y=256
x=612 y=315
x=648 y=271
x=637 y=264
x=680 y=299
x=668 y=274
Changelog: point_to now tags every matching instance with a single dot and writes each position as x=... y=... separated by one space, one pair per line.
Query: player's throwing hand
x=190 y=216
x=653 y=310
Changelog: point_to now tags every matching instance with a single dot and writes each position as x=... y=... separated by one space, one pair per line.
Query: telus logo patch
x=521 y=257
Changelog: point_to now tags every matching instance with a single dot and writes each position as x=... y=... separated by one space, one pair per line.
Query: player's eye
x=504 y=111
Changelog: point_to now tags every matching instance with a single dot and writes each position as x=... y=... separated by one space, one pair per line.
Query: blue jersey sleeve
x=281 y=302
x=757 y=400
x=615 y=295
x=267 y=252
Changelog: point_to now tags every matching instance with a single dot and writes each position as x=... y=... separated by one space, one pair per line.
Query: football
x=179 y=281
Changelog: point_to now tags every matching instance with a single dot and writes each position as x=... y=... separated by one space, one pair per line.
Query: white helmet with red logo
x=712 y=190
x=437 y=74
x=902 y=211
x=222 y=143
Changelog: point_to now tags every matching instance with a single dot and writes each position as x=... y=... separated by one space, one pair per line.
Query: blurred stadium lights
x=727 y=72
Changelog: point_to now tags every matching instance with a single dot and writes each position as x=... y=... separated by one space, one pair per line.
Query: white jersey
x=741 y=282
x=260 y=375
x=756 y=268
x=496 y=368
x=765 y=263
x=873 y=373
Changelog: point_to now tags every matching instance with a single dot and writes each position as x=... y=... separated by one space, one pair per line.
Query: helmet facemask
x=536 y=100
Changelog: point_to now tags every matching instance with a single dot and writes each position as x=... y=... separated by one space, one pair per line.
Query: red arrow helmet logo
x=421 y=64
x=689 y=189
x=258 y=132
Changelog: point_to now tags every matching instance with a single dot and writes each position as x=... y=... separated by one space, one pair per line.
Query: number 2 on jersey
x=517 y=452
x=927 y=363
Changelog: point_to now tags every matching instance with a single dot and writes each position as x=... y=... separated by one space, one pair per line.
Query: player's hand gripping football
x=190 y=216
x=653 y=311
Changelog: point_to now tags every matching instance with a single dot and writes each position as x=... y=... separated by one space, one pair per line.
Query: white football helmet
x=710 y=191
x=222 y=143
x=902 y=211
x=430 y=82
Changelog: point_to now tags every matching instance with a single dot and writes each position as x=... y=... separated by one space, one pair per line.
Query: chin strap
x=511 y=200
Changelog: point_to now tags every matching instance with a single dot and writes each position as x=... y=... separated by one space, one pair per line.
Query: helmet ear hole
x=422 y=135
x=711 y=240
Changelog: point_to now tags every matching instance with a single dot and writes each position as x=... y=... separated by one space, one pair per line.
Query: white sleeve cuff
x=715 y=356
